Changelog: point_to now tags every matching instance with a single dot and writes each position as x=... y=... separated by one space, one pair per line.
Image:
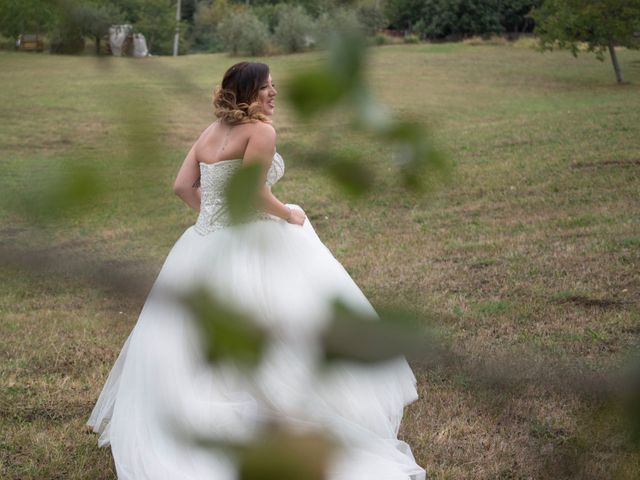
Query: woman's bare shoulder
x=261 y=135
x=207 y=130
x=260 y=128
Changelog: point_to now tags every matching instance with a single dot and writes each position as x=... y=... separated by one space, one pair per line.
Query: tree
x=241 y=32
x=459 y=18
x=293 y=29
x=600 y=24
x=317 y=7
x=270 y=14
x=129 y=8
x=188 y=10
x=95 y=17
x=372 y=16
x=75 y=20
x=156 y=19
x=403 y=14
x=514 y=15
x=25 y=16
x=206 y=19
x=67 y=32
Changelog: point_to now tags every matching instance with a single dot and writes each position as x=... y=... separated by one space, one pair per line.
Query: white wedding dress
x=285 y=278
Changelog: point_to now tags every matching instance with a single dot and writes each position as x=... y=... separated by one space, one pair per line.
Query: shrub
x=381 y=39
x=411 y=39
x=458 y=19
x=493 y=40
x=270 y=14
x=337 y=20
x=242 y=32
x=7 y=43
x=68 y=43
x=371 y=16
x=205 y=24
x=294 y=30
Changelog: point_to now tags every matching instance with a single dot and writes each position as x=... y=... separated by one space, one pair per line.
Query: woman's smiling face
x=266 y=96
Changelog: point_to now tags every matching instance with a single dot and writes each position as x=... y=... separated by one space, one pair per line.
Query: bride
x=276 y=270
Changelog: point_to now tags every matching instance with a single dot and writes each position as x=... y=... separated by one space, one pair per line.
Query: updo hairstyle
x=235 y=101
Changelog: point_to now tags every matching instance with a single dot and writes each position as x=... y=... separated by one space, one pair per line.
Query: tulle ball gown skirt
x=284 y=277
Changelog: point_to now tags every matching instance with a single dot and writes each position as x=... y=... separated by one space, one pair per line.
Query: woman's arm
x=185 y=183
x=271 y=204
x=260 y=149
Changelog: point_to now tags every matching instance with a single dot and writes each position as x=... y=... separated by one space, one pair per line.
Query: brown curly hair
x=235 y=100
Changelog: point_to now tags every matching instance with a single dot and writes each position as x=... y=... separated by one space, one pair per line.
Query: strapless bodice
x=214 y=213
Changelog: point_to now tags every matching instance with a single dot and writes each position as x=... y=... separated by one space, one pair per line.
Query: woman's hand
x=296 y=216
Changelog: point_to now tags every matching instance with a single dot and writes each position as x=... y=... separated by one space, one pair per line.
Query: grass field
x=530 y=255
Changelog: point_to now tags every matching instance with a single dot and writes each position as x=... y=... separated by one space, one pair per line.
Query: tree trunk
x=97 y=44
x=614 y=60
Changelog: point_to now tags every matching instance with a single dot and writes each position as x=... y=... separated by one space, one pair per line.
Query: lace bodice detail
x=214 y=213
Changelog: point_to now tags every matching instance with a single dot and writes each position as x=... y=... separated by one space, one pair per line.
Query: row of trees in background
x=67 y=23
x=256 y=26
x=285 y=27
x=260 y=26
x=437 y=19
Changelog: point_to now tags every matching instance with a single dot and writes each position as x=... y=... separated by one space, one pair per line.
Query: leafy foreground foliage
x=531 y=253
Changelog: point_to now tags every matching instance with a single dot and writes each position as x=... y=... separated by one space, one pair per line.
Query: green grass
x=530 y=251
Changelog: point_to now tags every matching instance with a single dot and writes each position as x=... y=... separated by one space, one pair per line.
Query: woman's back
x=214 y=211
x=221 y=142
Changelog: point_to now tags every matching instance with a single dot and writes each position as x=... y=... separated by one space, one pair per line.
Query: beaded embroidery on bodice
x=214 y=213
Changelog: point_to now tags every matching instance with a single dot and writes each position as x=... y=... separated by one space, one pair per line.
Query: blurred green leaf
x=314 y=91
x=341 y=81
x=347 y=55
x=322 y=88
x=356 y=337
x=241 y=193
x=371 y=115
x=351 y=174
x=140 y=127
x=403 y=131
x=227 y=333
x=347 y=168
x=631 y=398
x=66 y=192
x=282 y=454
x=421 y=162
